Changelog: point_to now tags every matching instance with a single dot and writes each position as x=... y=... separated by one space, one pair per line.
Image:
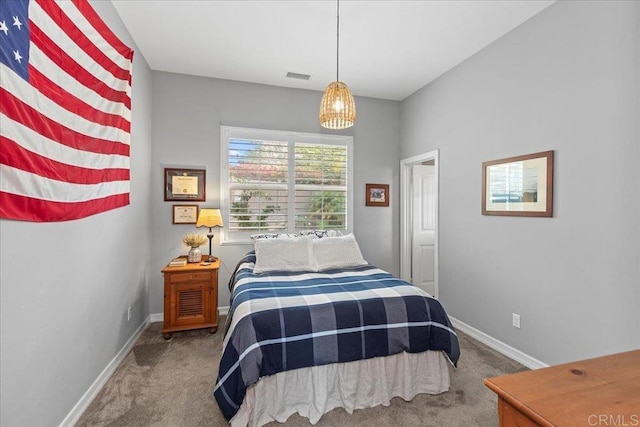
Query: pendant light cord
x=337 y=39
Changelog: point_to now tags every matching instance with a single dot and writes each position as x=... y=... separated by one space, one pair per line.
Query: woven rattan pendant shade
x=337 y=109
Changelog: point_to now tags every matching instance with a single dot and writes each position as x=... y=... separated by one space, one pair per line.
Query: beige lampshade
x=209 y=217
x=337 y=109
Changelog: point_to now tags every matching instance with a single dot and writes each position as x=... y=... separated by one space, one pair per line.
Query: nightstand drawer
x=204 y=276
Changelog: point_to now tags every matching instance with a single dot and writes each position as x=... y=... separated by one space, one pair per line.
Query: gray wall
x=65 y=287
x=187 y=114
x=566 y=80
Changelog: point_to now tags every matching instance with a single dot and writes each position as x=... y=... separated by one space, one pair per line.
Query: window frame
x=229 y=132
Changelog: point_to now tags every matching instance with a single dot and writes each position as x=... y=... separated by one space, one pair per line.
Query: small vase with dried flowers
x=194 y=241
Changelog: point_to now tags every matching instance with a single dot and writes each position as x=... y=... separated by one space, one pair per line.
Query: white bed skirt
x=314 y=391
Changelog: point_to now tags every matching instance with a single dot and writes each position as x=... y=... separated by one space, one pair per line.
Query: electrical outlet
x=129 y=313
x=516 y=320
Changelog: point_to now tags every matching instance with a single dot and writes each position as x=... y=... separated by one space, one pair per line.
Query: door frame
x=406 y=211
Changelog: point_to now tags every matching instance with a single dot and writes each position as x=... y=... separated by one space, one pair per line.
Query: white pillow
x=337 y=252
x=292 y=254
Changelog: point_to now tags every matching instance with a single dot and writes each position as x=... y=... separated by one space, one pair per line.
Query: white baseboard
x=223 y=311
x=74 y=415
x=498 y=346
x=156 y=317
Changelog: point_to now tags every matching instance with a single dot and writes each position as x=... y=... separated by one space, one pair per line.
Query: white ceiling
x=388 y=49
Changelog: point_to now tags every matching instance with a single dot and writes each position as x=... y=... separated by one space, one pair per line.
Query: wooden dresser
x=604 y=391
x=190 y=297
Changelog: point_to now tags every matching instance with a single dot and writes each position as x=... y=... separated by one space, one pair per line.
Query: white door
x=423 y=247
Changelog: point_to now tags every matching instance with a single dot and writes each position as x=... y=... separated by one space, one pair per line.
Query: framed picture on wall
x=377 y=195
x=183 y=185
x=518 y=186
x=185 y=214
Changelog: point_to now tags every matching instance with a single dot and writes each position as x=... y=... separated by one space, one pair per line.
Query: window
x=284 y=182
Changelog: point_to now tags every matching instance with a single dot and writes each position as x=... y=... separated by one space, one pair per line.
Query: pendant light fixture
x=337 y=109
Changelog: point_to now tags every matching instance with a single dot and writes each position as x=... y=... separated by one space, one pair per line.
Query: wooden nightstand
x=190 y=297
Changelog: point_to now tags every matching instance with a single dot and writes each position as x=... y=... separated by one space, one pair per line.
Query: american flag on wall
x=65 y=112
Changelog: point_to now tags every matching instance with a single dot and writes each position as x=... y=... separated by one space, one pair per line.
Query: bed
x=320 y=328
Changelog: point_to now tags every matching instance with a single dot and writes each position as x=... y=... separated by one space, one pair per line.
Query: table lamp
x=209 y=217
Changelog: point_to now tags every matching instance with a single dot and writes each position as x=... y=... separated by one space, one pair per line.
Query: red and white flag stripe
x=64 y=115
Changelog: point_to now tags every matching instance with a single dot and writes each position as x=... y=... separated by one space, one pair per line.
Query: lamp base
x=211 y=257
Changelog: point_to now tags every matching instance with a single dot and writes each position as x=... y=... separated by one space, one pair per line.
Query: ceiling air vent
x=298 y=76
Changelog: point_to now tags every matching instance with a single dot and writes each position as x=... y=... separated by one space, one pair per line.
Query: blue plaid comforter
x=282 y=321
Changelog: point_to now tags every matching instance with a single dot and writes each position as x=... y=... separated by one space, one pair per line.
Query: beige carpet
x=170 y=383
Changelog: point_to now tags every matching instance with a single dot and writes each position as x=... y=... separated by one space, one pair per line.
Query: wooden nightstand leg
x=213 y=330
x=167 y=335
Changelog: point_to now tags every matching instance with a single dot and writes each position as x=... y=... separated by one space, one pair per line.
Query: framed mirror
x=518 y=186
